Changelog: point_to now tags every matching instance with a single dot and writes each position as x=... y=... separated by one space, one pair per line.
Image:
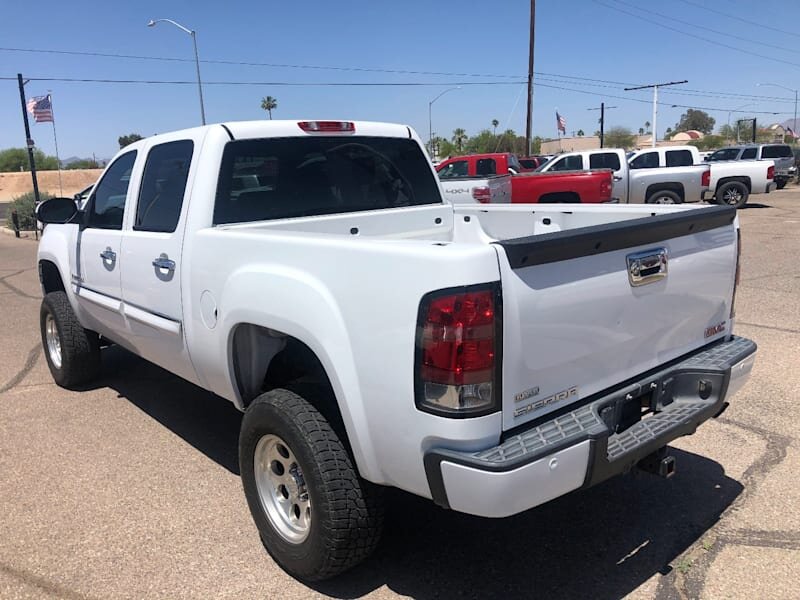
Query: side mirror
x=707 y=158
x=56 y=210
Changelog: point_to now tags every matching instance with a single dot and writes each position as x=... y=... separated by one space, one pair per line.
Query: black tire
x=79 y=348
x=780 y=183
x=347 y=517
x=664 y=197
x=733 y=193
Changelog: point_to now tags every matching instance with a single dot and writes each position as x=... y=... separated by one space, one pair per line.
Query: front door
x=151 y=250
x=97 y=280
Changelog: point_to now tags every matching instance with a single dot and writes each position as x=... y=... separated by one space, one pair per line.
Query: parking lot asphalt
x=130 y=488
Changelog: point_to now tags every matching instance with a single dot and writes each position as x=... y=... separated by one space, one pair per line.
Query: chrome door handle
x=162 y=262
x=108 y=254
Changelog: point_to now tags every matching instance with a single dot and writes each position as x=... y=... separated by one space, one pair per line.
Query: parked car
x=731 y=182
x=526 y=188
x=781 y=154
x=491 y=358
x=642 y=180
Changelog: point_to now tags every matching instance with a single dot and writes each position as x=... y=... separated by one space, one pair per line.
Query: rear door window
x=647 y=160
x=568 y=163
x=604 y=160
x=679 y=158
x=749 y=153
x=486 y=166
x=457 y=168
x=277 y=178
x=163 y=186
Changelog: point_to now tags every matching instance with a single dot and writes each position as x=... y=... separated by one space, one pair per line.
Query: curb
x=23 y=235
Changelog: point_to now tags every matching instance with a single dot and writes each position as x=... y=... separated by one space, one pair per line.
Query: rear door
x=577 y=321
x=611 y=160
x=152 y=250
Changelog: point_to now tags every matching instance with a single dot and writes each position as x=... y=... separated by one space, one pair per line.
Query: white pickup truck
x=731 y=182
x=637 y=180
x=489 y=357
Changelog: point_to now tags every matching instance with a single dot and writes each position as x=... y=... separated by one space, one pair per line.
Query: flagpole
x=55 y=141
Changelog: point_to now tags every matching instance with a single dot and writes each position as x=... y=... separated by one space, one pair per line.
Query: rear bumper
x=771 y=187
x=579 y=448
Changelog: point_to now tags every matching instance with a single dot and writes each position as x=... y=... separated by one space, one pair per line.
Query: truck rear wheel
x=664 y=197
x=316 y=516
x=733 y=193
x=780 y=183
x=72 y=352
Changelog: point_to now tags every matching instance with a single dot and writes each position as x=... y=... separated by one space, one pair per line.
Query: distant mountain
x=70 y=160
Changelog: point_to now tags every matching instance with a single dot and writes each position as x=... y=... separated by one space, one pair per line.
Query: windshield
x=725 y=154
x=276 y=178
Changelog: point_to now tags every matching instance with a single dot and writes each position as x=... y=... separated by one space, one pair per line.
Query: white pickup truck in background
x=634 y=184
x=489 y=357
x=481 y=189
x=731 y=183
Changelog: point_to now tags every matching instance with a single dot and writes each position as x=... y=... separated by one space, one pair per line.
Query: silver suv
x=780 y=153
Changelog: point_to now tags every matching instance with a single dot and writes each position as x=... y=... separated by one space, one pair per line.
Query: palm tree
x=581 y=133
x=459 y=137
x=647 y=126
x=495 y=123
x=641 y=130
x=269 y=104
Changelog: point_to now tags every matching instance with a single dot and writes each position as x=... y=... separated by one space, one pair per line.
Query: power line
x=697 y=37
x=247 y=63
x=717 y=31
x=748 y=21
x=272 y=83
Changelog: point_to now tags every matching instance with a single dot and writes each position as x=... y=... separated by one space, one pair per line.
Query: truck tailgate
x=586 y=309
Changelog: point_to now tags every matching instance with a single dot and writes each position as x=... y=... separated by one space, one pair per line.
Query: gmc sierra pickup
x=491 y=358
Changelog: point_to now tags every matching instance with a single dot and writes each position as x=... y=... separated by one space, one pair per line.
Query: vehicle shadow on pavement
x=755 y=205
x=206 y=421
x=599 y=543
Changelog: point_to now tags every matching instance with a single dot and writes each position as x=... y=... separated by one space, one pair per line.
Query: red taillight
x=705 y=180
x=327 y=126
x=456 y=352
x=482 y=195
x=771 y=172
x=605 y=189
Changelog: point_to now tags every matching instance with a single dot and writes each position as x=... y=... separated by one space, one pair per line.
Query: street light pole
x=655 y=87
x=794 y=121
x=193 y=33
x=430 y=120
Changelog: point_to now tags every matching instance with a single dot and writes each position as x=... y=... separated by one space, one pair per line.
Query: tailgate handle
x=647 y=267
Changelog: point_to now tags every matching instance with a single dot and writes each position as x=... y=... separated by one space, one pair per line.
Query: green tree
x=696 y=119
x=647 y=126
x=84 y=163
x=459 y=138
x=495 y=123
x=709 y=142
x=24 y=205
x=16 y=159
x=668 y=133
x=619 y=137
x=641 y=130
x=485 y=141
x=728 y=132
x=269 y=104
x=581 y=133
x=125 y=140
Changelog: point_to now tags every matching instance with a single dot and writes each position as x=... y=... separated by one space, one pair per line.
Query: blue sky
x=591 y=39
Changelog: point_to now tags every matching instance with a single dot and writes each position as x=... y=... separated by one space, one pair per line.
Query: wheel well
x=560 y=198
x=265 y=359
x=744 y=180
x=666 y=187
x=50 y=277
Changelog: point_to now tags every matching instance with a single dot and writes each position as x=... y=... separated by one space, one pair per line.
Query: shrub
x=24 y=206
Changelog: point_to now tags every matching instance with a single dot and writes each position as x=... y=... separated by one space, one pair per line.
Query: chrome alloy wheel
x=664 y=200
x=282 y=489
x=732 y=196
x=53 y=341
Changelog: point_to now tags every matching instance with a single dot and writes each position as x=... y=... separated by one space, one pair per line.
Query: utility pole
x=655 y=87
x=29 y=144
x=602 y=110
x=529 y=124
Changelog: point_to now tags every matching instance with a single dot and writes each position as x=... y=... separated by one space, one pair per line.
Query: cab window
x=604 y=160
x=679 y=158
x=107 y=204
x=647 y=160
x=457 y=168
x=568 y=163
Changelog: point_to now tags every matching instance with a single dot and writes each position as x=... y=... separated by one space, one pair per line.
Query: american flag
x=41 y=109
x=791 y=132
x=561 y=123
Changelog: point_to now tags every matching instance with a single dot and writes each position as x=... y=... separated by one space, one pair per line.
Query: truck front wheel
x=316 y=516
x=733 y=193
x=72 y=352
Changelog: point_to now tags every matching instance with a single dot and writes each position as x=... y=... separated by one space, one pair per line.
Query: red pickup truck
x=562 y=186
